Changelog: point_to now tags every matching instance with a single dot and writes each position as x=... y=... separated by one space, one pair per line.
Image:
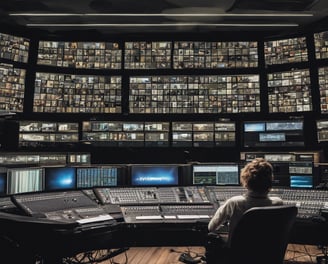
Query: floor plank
x=295 y=254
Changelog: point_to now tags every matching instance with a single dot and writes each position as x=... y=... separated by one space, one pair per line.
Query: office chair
x=262 y=235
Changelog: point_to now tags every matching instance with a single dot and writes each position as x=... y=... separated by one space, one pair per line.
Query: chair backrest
x=262 y=235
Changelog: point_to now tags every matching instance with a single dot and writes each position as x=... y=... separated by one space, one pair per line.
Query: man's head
x=257 y=175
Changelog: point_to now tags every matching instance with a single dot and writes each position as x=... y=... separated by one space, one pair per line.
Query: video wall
x=156 y=93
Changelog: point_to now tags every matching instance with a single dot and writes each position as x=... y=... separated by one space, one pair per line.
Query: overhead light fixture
x=167 y=14
x=163 y=25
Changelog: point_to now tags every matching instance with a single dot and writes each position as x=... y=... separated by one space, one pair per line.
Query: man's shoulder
x=237 y=198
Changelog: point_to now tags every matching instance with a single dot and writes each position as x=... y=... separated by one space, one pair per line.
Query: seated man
x=256 y=177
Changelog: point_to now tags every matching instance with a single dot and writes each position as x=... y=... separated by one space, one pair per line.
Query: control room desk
x=29 y=236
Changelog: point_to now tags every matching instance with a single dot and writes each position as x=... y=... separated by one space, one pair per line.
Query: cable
x=94 y=256
x=301 y=254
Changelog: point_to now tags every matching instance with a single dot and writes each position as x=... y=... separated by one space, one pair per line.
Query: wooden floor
x=170 y=255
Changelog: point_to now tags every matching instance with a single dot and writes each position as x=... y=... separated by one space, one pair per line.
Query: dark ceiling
x=165 y=16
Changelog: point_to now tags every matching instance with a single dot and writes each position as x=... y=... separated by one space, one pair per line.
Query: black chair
x=262 y=235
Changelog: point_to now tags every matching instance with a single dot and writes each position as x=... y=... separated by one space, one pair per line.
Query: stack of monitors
x=215 y=174
x=154 y=174
x=282 y=133
x=301 y=175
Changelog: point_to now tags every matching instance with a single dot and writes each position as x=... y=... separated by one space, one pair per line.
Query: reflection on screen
x=301 y=181
x=142 y=175
x=24 y=180
x=216 y=174
x=57 y=178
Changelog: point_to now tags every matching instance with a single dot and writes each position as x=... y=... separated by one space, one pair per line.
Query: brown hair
x=257 y=175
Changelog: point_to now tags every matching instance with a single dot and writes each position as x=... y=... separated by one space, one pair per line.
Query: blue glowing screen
x=154 y=175
x=301 y=181
x=254 y=127
x=57 y=178
x=3 y=187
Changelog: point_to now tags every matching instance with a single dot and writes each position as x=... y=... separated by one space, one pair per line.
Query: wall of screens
x=178 y=88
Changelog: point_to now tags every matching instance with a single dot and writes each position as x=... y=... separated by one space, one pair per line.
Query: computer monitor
x=301 y=181
x=24 y=180
x=97 y=176
x=215 y=174
x=154 y=175
x=3 y=183
x=254 y=126
x=59 y=178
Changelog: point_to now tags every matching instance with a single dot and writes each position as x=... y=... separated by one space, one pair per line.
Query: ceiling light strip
x=165 y=25
x=168 y=14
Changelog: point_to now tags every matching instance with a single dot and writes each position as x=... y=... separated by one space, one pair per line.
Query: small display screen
x=58 y=178
x=96 y=176
x=23 y=180
x=254 y=127
x=215 y=174
x=3 y=183
x=301 y=181
x=155 y=175
x=272 y=137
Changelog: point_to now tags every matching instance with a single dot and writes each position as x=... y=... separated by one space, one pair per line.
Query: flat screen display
x=154 y=175
x=284 y=125
x=272 y=137
x=88 y=177
x=273 y=133
x=59 y=178
x=254 y=127
x=23 y=180
x=3 y=183
x=301 y=181
x=215 y=174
